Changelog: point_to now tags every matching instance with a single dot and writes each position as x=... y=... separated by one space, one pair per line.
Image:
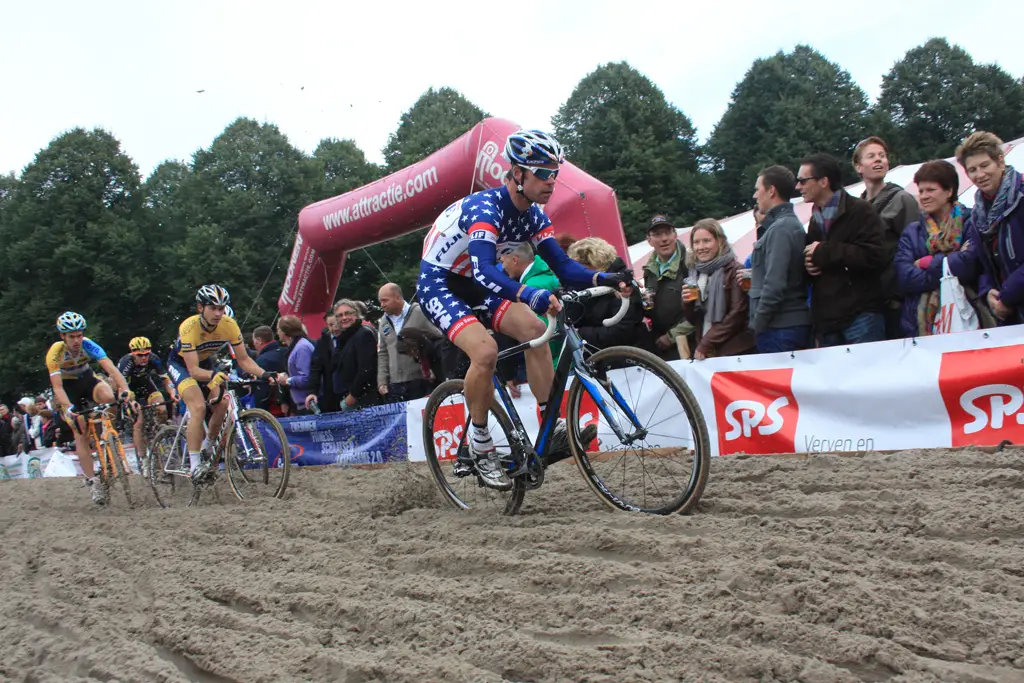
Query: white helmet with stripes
x=533 y=148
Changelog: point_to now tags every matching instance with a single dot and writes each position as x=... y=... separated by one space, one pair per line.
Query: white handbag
x=955 y=312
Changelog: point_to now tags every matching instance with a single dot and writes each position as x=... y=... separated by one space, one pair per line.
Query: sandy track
x=884 y=568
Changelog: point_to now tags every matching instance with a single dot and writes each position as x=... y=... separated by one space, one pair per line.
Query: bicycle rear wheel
x=115 y=451
x=258 y=459
x=445 y=418
x=661 y=467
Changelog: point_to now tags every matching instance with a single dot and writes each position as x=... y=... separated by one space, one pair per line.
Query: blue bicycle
x=635 y=430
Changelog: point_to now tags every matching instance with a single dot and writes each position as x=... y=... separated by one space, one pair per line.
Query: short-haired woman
x=995 y=230
x=292 y=334
x=599 y=255
x=927 y=243
x=712 y=297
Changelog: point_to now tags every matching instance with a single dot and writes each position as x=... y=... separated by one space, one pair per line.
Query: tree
x=437 y=118
x=936 y=95
x=786 y=107
x=343 y=166
x=244 y=200
x=433 y=121
x=618 y=127
x=74 y=238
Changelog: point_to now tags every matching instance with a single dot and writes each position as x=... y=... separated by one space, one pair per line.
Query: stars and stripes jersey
x=489 y=215
x=474 y=232
x=60 y=360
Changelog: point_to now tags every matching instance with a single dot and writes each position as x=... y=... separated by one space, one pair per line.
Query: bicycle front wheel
x=258 y=458
x=652 y=449
x=167 y=467
x=445 y=418
x=115 y=451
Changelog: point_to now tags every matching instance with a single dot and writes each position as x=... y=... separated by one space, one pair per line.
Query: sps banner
x=365 y=437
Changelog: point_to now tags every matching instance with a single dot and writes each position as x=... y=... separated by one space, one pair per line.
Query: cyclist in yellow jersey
x=191 y=369
x=74 y=384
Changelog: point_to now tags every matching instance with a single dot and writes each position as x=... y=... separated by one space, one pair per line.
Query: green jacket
x=667 y=316
x=539 y=275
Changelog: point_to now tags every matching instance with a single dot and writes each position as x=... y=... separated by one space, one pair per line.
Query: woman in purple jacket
x=927 y=243
x=300 y=359
x=995 y=229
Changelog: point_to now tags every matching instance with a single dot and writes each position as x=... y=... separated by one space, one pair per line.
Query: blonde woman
x=712 y=297
x=597 y=254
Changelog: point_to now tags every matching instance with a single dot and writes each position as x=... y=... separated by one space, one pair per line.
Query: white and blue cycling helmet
x=71 y=322
x=533 y=148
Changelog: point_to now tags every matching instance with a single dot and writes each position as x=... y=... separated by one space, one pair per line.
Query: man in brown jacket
x=403 y=373
x=845 y=257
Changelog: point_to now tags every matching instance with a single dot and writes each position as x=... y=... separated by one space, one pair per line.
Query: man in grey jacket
x=896 y=207
x=402 y=336
x=779 y=314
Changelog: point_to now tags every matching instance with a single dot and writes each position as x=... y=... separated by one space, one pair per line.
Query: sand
x=904 y=567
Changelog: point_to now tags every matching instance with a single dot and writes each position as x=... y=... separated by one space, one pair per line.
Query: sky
x=166 y=78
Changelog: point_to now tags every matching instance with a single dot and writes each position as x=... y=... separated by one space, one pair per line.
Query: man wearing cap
x=663 y=280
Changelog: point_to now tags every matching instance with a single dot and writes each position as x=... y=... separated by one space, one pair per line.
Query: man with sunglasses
x=459 y=271
x=144 y=373
x=845 y=257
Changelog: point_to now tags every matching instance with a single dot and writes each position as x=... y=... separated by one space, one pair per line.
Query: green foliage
x=786 y=107
x=437 y=118
x=343 y=167
x=73 y=230
x=618 y=127
x=248 y=189
x=936 y=96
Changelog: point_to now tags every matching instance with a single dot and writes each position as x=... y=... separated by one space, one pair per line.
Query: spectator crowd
x=866 y=269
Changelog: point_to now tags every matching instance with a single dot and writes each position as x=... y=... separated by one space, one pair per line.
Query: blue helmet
x=70 y=322
x=533 y=148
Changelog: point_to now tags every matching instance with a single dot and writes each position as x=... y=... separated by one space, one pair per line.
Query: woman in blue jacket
x=927 y=243
x=996 y=226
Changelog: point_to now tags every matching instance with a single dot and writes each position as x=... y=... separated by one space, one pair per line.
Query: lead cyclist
x=459 y=271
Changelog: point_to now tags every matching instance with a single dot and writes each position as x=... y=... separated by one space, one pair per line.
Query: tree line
x=81 y=230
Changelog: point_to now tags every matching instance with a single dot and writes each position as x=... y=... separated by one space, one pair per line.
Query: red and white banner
x=936 y=392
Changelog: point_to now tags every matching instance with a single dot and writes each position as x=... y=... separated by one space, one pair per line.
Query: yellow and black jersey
x=60 y=360
x=193 y=336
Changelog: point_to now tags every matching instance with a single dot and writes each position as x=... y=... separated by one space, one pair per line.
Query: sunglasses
x=801 y=181
x=542 y=173
x=141 y=354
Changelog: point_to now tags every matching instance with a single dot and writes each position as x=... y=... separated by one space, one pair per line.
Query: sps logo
x=449 y=424
x=755 y=410
x=982 y=391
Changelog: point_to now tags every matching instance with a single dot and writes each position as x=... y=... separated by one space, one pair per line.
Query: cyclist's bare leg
x=520 y=323
x=483 y=358
x=217 y=416
x=82 y=447
x=138 y=439
x=101 y=393
x=195 y=432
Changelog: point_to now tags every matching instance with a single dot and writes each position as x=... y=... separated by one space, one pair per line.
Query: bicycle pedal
x=463 y=468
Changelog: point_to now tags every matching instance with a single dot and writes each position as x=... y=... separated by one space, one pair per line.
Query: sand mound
x=904 y=567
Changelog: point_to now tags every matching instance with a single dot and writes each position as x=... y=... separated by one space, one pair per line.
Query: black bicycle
x=635 y=429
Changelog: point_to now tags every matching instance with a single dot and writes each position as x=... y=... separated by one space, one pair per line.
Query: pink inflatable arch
x=412 y=198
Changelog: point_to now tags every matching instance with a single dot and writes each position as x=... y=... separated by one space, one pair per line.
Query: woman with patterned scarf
x=995 y=228
x=925 y=244
x=712 y=297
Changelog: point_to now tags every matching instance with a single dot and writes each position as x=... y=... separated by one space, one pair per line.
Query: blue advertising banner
x=368 y=436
